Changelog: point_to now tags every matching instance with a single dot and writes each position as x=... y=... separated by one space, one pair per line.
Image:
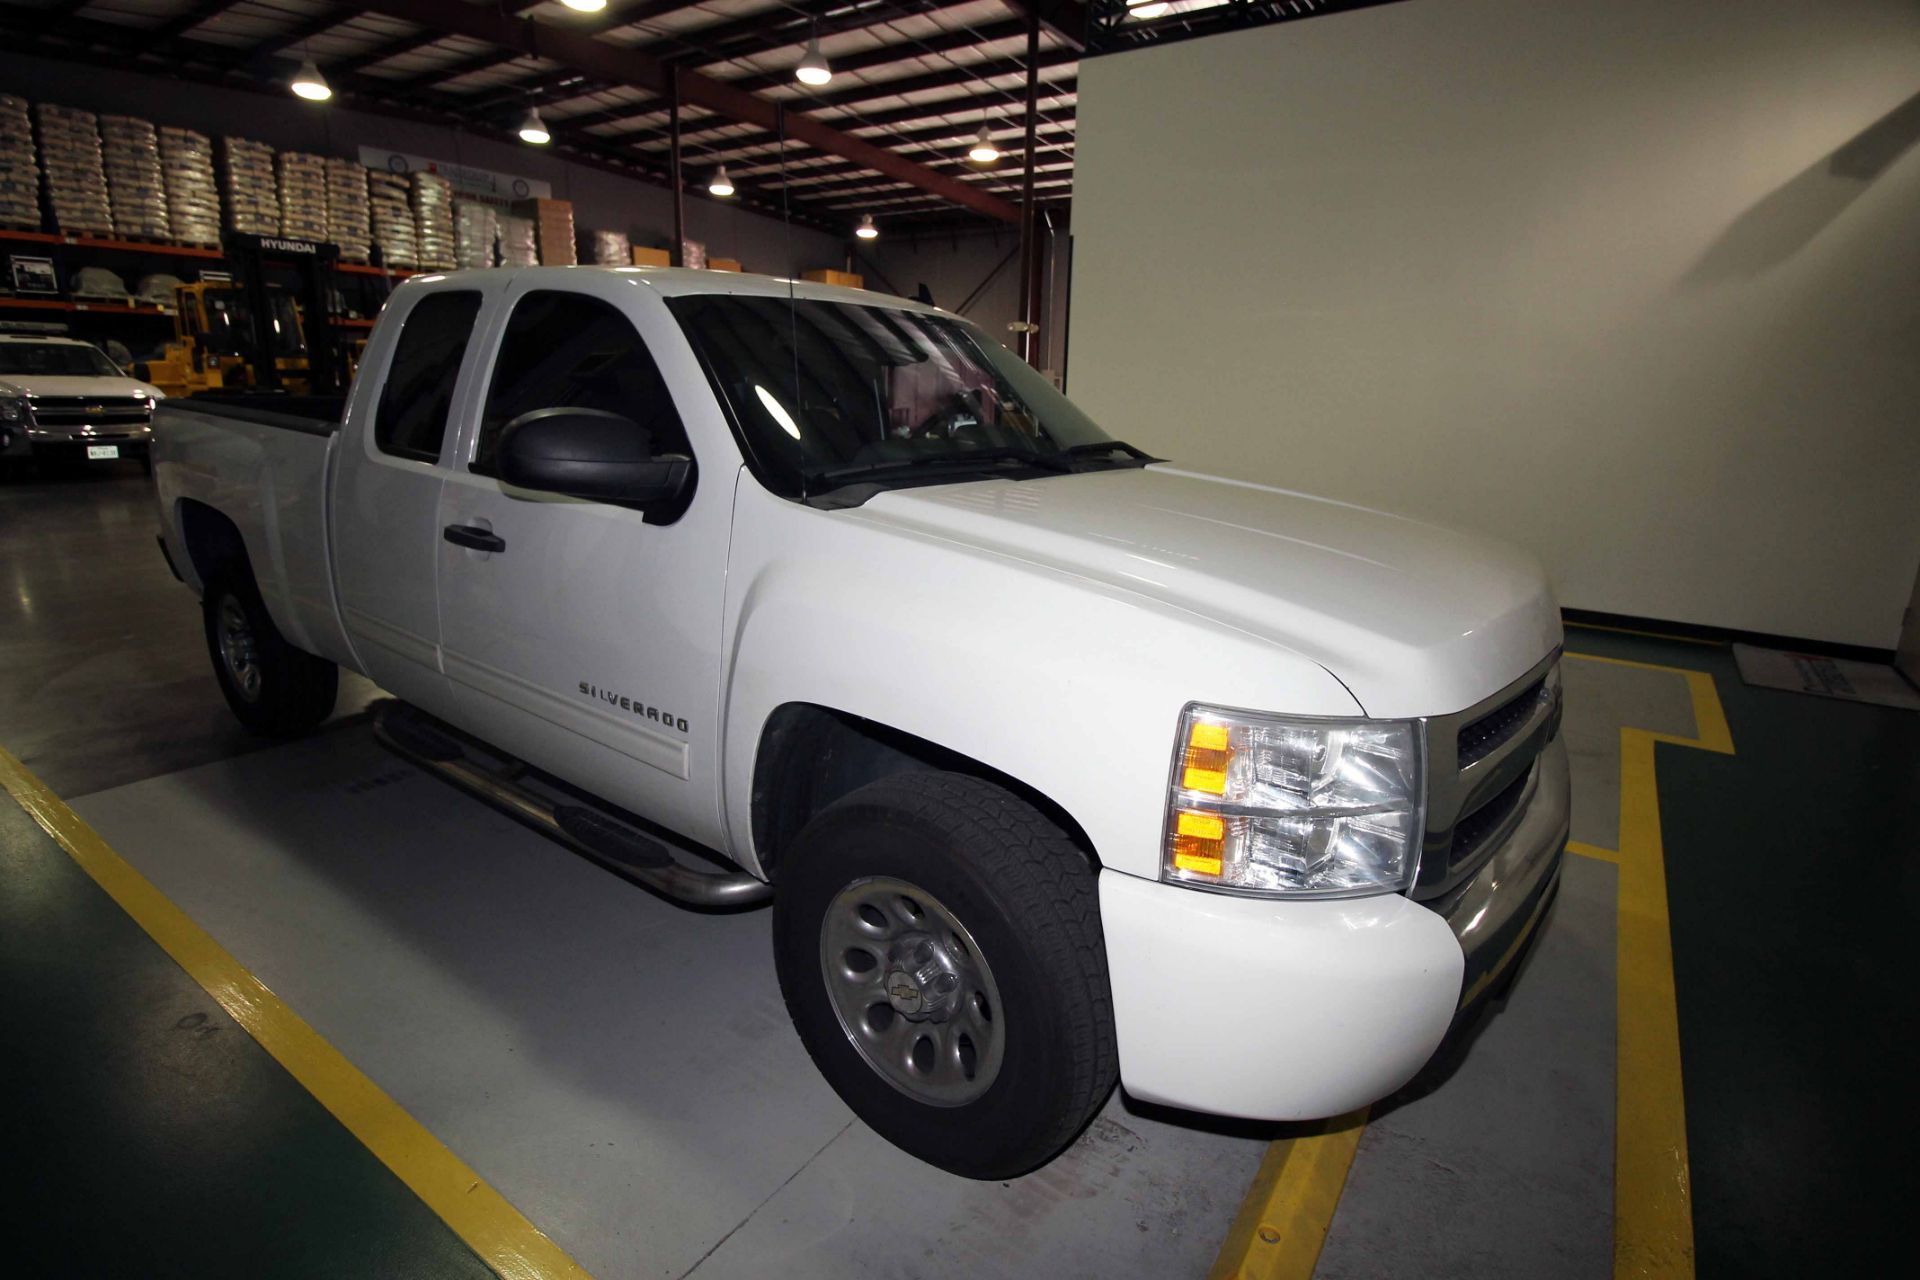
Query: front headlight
x=12 y=409
x=1293 y=807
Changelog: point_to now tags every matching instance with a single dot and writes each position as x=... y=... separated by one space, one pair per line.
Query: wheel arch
x=810 y=755
x=212 y=542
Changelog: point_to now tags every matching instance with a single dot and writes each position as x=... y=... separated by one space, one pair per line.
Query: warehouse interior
x=1624 y=290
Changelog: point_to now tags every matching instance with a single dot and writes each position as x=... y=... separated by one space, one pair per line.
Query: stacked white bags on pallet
x=19 y=170
x=476 y=227
x=76 y=180
x=393 y=232
x=252 y=194
x=433 y=220
x=518 y=246
x=303 y=195
x=136 y=190
x=349 y=223
x=611 y=248
x=193 y=201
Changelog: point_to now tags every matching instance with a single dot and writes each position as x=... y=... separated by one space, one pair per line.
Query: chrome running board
x=646 y=860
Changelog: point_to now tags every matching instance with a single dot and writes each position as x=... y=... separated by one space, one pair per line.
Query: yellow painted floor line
x=1652 y=1194
x=1284 y=1217
x=478 y=1214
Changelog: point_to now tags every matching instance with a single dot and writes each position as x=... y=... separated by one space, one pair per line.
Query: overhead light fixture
x=721 y=185
x=813 y=68
x=308 y=83
x=983 y=150
x=585 y=6
x=866 y=230
x=533 y=129
x=1147 y=9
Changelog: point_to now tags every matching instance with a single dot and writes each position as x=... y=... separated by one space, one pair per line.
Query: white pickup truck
x=1057 y=762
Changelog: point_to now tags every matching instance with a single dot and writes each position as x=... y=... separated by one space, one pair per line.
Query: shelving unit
x=364 y=286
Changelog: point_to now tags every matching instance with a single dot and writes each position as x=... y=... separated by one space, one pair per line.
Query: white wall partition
x=1634 y=283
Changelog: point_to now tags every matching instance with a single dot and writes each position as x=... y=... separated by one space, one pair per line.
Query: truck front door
x=576 y=634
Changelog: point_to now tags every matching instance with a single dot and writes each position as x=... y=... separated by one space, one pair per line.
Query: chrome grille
x=1480 y=774
x=1482 y=737
x=99 y=411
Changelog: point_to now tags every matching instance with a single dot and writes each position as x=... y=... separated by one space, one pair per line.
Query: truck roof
x=43 y=337
x=680 y=281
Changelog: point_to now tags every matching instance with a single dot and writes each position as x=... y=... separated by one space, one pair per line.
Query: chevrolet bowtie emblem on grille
x=96 y=408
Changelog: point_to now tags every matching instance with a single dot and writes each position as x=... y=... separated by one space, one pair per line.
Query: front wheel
x=938 y=944
x=273 y=688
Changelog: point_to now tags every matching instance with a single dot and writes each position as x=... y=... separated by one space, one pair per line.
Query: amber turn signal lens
x=1203 y=766
x=1197 y=838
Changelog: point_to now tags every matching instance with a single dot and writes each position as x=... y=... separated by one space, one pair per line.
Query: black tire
x=294 y=690
x=1027 y=897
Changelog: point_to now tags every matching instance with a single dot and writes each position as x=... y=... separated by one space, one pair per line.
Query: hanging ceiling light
x=585 y=6
x=812 y=68
x=721 y=185
x=308 y=83
x=533 y=129
x=1146 y=10
x=866 y=230
x=983 y=151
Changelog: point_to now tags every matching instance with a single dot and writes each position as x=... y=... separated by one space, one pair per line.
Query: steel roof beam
x=882 y=90
x=600 y=60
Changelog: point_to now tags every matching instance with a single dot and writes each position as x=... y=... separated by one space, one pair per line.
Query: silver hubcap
x=912 y=991
x=237 y=649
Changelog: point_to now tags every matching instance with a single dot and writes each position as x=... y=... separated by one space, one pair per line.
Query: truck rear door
x=386 y=494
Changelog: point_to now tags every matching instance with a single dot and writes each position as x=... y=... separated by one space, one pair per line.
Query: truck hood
x=1414 y=619
x=57 y=385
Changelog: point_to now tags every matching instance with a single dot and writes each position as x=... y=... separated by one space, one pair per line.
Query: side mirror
x=589 y=453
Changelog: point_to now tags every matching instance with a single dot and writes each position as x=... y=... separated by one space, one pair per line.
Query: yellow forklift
x=243 y=334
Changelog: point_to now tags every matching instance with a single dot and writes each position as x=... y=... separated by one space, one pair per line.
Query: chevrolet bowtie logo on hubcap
x=904 y=993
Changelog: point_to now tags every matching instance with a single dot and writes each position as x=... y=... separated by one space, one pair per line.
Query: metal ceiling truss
x=857 y=95
x=996 y=109
x=1112 y=26
x=601 y=60
x=122 y=47
x=722 y=120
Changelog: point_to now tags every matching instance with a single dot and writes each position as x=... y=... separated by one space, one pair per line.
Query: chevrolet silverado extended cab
x=1058 y=763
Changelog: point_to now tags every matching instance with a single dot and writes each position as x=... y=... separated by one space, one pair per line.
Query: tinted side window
x=412 y=414
x=569 y=350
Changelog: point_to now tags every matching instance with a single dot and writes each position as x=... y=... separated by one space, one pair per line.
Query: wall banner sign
x=469 y=181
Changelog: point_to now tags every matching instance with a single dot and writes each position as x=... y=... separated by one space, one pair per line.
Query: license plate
x=102 y=451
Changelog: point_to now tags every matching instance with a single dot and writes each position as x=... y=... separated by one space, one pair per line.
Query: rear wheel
x=273 y=688
x=938 y=943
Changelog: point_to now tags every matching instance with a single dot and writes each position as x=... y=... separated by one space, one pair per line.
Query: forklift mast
x=314 y=261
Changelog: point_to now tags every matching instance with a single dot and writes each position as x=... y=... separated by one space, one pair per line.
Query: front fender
x=1073 y=687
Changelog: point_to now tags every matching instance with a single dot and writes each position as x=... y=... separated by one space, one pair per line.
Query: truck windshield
x=56 y=358
x=828 y=393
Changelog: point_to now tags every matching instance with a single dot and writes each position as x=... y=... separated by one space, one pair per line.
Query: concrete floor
x=623 y=1072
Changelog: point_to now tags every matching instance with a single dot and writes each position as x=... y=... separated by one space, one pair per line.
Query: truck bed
x=261 y=460
x=315 y=415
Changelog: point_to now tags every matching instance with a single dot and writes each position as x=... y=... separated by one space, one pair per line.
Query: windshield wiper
x=972 y=457
x=1107 y=446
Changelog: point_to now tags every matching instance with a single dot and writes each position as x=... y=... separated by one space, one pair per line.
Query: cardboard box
x=847 y=278
x=723 y=264
x=553 y=230
x=651 y=257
